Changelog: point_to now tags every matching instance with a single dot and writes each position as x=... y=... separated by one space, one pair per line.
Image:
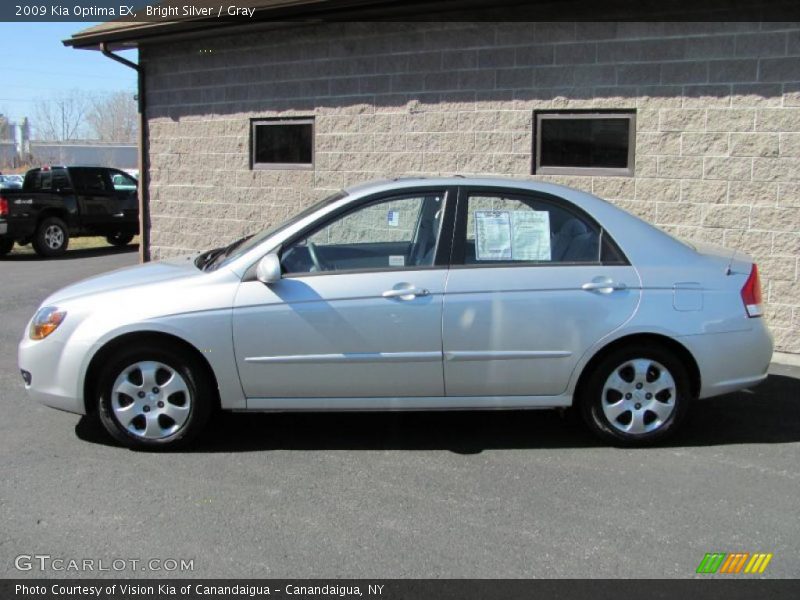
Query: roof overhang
x=272 y=14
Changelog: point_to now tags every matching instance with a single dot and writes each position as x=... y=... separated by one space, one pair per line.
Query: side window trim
x=458 y=252
x=441 y=253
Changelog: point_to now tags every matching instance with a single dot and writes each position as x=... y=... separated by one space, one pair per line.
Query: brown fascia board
x=287 y=13
x=125 y=34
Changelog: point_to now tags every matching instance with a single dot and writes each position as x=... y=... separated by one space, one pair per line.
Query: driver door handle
x=406 y=293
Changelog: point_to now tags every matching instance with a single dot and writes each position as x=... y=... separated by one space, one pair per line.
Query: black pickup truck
x=56 y=203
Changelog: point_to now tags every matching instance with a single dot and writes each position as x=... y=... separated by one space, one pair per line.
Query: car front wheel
x=636 y=396
x=154 y=398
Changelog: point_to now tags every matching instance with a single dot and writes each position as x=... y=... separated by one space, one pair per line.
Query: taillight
x=3 y=207
x=751 y=294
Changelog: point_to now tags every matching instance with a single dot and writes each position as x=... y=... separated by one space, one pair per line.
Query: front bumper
x=54 y=374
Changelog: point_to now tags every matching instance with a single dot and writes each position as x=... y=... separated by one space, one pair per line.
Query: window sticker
x=530 y=235
x=397 y=261
x=492 y=235
x=512 y=235
x=393 y=218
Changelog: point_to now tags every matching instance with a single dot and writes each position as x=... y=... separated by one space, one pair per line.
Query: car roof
x=460 y=180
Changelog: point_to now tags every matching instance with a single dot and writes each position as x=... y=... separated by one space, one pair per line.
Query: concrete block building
x=694 y=126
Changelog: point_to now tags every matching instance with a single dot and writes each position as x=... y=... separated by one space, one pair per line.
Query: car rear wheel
x=6 y=244
x=154 y=398
x=51 y=238
x=636 y=396
x=119 y=239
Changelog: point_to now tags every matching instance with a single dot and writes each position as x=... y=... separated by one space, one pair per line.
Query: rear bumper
x=17 y=228
x=733 y=360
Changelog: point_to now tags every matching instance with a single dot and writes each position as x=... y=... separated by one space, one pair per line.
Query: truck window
x=60 y=180
x=91 y=181
x=45 y=180
x=30 y=182
x=123 y=182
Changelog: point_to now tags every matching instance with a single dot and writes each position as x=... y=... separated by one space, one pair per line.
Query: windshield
x=213 y=259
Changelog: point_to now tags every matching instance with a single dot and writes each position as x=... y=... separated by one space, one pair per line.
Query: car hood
x=129 y=277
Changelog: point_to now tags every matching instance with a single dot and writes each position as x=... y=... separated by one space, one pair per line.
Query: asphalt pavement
x=482 y=494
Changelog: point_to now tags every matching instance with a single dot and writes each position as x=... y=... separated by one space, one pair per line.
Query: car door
x=357 y=312
x=101 y=206
x=534 y=283
x=125 y=197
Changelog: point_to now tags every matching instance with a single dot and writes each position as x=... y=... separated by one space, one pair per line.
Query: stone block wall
x=717 y=109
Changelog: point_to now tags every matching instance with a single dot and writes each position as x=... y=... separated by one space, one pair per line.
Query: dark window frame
x=443 y=244
x=458 y=248
x=622 y=114
x=276 y=121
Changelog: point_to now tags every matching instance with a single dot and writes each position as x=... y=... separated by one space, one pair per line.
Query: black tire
x=51 y=237
x=660 y=366
x=6 y=244
x=122 y=367
x=119 y=239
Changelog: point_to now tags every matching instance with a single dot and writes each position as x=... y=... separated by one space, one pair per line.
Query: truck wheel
x=51 y=238
x=6 y=244
x=119 y=238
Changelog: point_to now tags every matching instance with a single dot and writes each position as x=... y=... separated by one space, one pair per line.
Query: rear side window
x=45 y=180
x=60 y=180
x=507 y=229
x=37 y=181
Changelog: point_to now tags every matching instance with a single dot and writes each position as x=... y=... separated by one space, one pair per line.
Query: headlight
x=46 y=321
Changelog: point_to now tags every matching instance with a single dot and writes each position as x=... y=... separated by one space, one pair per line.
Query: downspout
x=144 y=191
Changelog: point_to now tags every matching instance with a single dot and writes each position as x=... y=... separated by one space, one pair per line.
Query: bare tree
x=114 y=118
x=62 y=118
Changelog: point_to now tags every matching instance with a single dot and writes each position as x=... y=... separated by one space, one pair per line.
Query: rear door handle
x=406 y=293
x=605 y=287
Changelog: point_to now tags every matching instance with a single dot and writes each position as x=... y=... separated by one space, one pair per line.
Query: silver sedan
x=412 y=294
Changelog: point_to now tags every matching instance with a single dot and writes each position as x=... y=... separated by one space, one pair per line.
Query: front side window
x=503 y=229
x=396 y=233
x=92 y=181
x=585 y=143
x=282 y=143
x=123 y=182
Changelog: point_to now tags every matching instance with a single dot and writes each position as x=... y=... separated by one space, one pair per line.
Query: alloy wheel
x=151 y=400
x=54 y=237
x=639 y=396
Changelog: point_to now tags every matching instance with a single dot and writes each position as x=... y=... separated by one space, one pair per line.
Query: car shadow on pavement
x=72 y=254
x=769 y=414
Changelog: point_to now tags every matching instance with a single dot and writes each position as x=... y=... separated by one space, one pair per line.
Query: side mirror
x=269 y=269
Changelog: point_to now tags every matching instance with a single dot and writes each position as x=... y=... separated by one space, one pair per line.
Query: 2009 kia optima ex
x=411 y=294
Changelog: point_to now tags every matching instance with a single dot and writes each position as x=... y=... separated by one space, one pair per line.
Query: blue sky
x=36 y=64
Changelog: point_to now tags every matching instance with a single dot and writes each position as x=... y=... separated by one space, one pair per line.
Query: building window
x=584 y=143
x=282 y=144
